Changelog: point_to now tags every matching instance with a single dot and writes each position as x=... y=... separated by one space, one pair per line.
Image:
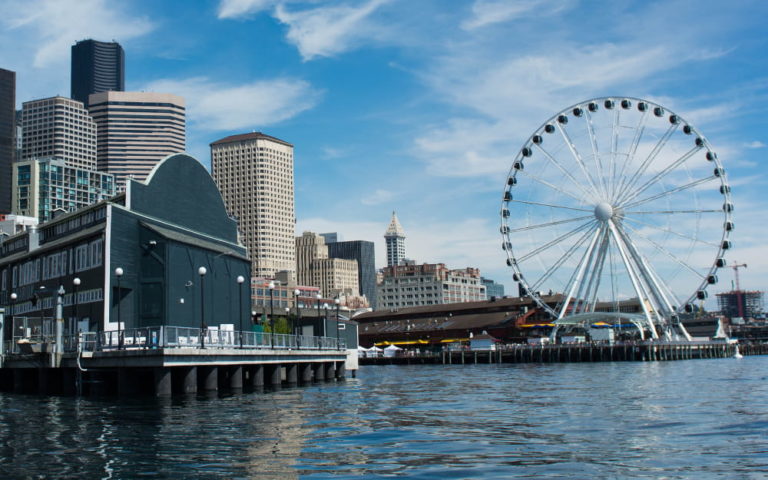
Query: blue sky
x=420 y=106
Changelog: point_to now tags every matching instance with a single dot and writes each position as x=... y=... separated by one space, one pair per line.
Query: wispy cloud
x=489 y=12
x=213 y=105
x=243 y=8
x=328 y=30
x=755 y=144
x=378 y=197
x=56 y=24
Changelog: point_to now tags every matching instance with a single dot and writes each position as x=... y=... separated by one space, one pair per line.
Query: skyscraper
x=254 y=173
x=7 y=133
x=314 y=266
x=136 y=130
x=395 y=238
x=60 y=128
x=363 y=252
x=97 y=67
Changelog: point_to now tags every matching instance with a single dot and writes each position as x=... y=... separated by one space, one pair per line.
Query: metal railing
x=167 y=337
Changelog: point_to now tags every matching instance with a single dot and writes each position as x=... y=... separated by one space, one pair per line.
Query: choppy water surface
x=685 y=419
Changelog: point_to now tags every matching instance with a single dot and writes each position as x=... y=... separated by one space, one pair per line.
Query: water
x=684 y=419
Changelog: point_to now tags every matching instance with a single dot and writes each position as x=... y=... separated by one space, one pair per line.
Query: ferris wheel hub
x=603 y=211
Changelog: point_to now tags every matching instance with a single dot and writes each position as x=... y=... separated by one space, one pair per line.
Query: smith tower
x=395 y=237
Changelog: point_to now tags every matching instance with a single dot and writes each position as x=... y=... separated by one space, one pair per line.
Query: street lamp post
x=325 y=320
x=319 y=297
x=287 y=319
x=240 y=280
x=271 y=314
x=297 y=323
x=13 y=308
x=337 y=301
x=75 y=284
x=119 y=273
x=202 y=271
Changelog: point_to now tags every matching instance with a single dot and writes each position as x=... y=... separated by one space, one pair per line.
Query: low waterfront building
x=411 y=285
x=431 y=326
x=136 y=260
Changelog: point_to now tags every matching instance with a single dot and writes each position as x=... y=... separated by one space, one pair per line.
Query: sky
x=420 y=106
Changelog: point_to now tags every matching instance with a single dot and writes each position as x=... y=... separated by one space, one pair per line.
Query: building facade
x=7 y=134
x=334 y=276
x=158 y=234
x=411 y=285
x=96 y=67
x=254 y=173
x=395 y=238
x=363 y=252
x=492 y=289
x=136 y=130
x=58 y=127
x=42 y=187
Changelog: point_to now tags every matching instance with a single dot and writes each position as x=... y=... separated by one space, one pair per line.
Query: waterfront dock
x=164 y=361
x=645 y=351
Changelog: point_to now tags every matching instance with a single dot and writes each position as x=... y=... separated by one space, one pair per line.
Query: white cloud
x=378 y=197
x=241 y=8
x=54 y=25
x=326 y=31
x=489 y=12
x=213 y=105
x=755 y=144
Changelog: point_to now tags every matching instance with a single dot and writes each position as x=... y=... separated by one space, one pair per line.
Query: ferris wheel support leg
x=633 y=279
x=580 y=273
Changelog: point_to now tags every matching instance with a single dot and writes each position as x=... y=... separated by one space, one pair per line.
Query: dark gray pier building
x=148 y=292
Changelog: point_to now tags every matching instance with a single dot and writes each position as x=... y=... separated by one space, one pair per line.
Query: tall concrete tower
x=254 y=173
x=395 y=237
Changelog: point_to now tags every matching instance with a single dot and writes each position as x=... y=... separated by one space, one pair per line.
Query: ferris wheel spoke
x=559 y=262
x=550 y=185
x=550 y=205
x=668 y=212
x=595 y=150
x=660 y=175
x=667 y=230
x=556 y=241
x=632 y=152
x=681 y=188
x=666 y=252
x=564 y=171
x=647 y=162
x=550 y=224
x=577 y=156
x=576 y=278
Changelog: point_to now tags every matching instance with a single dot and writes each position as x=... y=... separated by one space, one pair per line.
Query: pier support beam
x=330 y=371
x=208 y=378
x=185 y=379
x=292 y=374
x=275 y=375
x=257 y=376
x=306 y=372
x=69 y=381
x=162 y=381
x=319 y=369
x=341 y=370
x=236 y=377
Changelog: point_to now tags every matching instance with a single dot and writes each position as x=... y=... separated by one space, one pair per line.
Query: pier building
x=147 y=291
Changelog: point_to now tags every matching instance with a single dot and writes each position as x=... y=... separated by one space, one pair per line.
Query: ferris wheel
x=613 y=203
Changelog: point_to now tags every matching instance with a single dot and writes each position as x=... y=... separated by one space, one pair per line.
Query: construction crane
x=736 y=266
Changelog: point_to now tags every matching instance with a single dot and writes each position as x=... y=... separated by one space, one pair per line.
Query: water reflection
x=691 y=418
